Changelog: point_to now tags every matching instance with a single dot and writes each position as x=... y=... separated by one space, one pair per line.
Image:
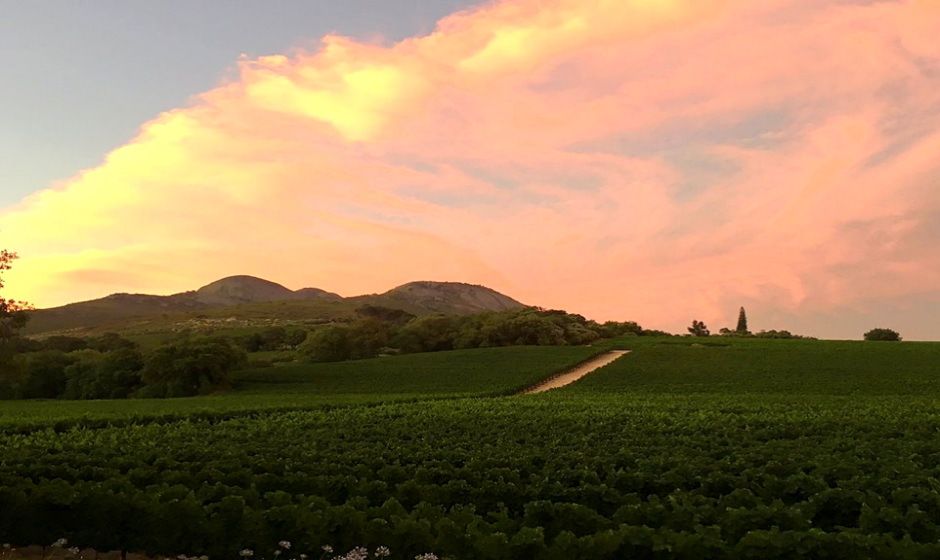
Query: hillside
x=247 y=300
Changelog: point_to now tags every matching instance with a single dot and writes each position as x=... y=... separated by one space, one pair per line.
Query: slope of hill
x=251 y=300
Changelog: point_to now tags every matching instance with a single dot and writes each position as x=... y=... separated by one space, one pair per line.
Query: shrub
x=64 y=343
x=387 y=314
x=295 y=337
x=883 y=335
x=110 y=342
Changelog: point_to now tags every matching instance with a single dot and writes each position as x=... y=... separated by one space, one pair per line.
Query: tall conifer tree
x=742 y=322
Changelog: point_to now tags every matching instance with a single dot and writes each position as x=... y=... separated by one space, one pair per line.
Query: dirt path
x=577 y=373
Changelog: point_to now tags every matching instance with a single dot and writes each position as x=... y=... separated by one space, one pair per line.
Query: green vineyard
x=630 y=462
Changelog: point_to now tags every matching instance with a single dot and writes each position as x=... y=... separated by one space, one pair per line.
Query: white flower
x=327 y=549
x=358 y=553
x=426 y=556
x=74 y=551
x=284 y=544
x=382 y=552
x=303 y=557
x=60 y=543
x=246 y=553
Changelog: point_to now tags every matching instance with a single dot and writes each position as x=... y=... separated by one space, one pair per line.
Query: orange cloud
x=645 y=159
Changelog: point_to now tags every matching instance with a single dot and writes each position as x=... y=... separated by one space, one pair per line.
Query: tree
x=367 y=338
x=328 y=344
x=44 y=375
x=362 y=339
x=97 y=375
x=698 y=328
x=742 y=322
x=883 y=335
x=12 y=312
x=431 y=333
x=190 y=367
x=295 y=337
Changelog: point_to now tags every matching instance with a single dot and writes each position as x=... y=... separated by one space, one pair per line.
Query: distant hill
x=247 y=300
x=455 y=298
x=236 y=290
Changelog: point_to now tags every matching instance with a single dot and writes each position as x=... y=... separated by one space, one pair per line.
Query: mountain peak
x=241 y=289
x=452 y=297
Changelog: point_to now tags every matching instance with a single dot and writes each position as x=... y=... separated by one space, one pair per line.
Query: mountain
x=241 y=289
x=316 y=294
x=451 y=298
x=248 y=301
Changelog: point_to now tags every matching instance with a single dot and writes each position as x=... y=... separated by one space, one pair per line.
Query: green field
x=682 y=449
x=795 y=367
x=484 y=371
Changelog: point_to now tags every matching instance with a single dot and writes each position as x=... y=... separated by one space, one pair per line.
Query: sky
x=648 y=160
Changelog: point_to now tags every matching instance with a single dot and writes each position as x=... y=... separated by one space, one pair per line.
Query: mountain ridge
x=243 y=295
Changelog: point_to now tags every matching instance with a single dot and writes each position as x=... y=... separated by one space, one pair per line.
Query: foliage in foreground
x=541 y=478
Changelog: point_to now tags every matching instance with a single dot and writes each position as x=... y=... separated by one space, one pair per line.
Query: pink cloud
x=629 y=159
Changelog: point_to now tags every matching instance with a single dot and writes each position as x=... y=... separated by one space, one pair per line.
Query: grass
x=795 y=367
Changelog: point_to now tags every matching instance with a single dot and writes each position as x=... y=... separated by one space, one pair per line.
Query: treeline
x=772 y=333
x=112 y=367
x=391 y=331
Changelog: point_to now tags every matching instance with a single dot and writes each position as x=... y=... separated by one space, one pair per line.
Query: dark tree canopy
x=883 y=335
x=190 y=368
x=698 y=328
x=383 y=330
x=12 y=312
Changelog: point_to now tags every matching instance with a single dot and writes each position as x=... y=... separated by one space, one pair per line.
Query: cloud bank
x=655 y=160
